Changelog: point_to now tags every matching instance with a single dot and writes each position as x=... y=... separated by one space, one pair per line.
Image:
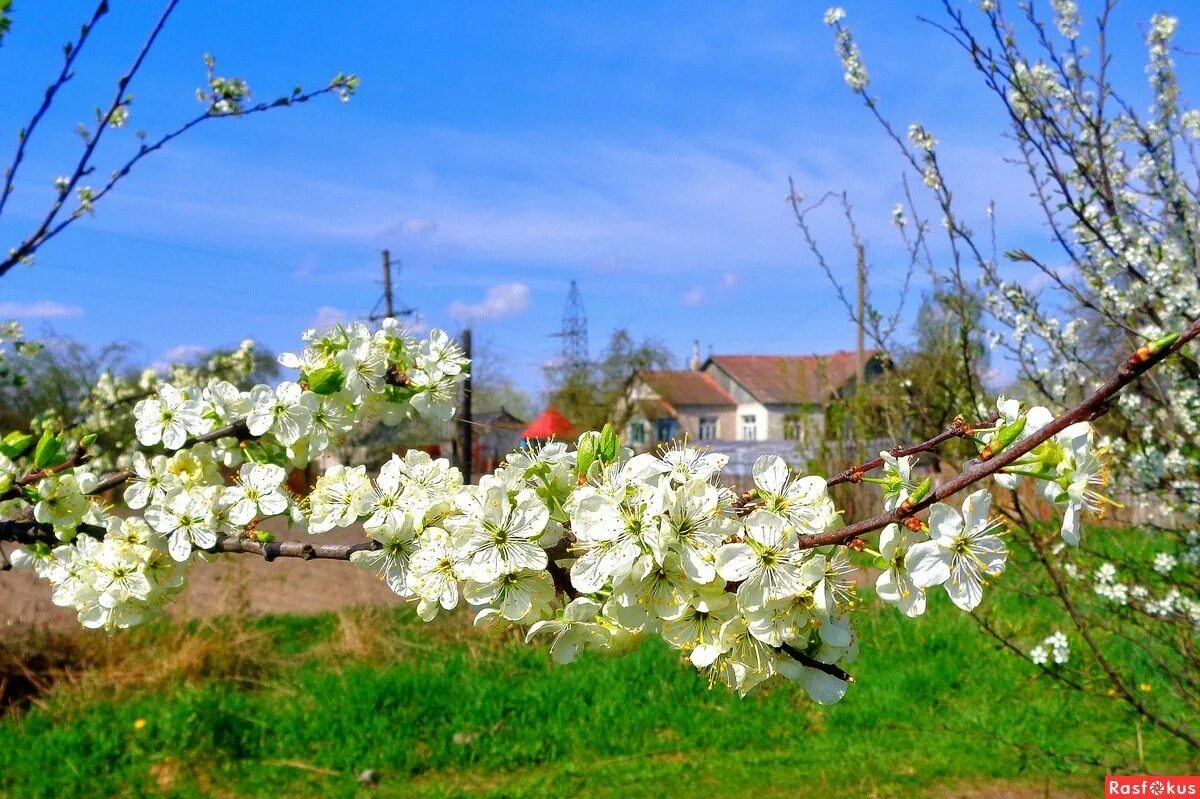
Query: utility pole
x=390 y=311
x=389 y=306
x=466 y=425
x=862 y=321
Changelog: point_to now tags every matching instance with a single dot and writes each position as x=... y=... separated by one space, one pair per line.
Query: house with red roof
x=741 y=398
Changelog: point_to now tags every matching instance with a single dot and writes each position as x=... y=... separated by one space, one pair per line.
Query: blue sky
x=498 y=150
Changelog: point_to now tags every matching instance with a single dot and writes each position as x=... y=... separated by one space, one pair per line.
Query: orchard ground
x=330 y=679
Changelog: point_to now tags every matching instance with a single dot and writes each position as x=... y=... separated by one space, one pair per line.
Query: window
x=793 y=428
x=708 y=428
x=664 y=429
x=749 y=427
x=637 y=433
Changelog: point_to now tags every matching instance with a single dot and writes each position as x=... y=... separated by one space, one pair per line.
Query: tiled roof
x=655 y=409
x=788 y=379
x=501 y=419
x=687 y=387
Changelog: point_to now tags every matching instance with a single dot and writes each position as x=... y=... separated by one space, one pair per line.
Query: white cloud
x=693 y=297
x=730 y=280
x=417 y=226
x=506 y=299
x=328 y=316
x=183 y=352
x=41 y=309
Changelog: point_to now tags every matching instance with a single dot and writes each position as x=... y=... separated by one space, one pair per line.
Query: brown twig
x=806 y=660
x=958 y=429
x=1094 y=406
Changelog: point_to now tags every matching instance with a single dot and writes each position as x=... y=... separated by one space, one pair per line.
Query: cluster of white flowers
x=1055 y=648
x=1165 y=562
x=118 y=581
x=347 y=375
x=1170 y=603
x=644 y=544
x=921 y=138
x=595 y=546
x=855 y=70
x=1069 y=468
x=1067 y=18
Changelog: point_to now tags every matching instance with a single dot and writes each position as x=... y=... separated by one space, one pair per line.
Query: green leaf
x=610 y=445
x=48 y=452
x=266 y=452
x=326 y=380
x=585 y=456
x=15 y=444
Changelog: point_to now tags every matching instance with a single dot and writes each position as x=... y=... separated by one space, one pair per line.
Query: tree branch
x=958 y=429
x=83 y=167
x=72 y=52
x=1093 y=407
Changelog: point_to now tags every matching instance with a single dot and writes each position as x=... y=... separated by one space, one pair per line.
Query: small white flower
x=1164 y=562
x=282 y=412
x=256 y=493
x=520 y=596
x=61 y=503
x=501 y=536
x=391 y=560
x=186 y=522
x=576 y=629
x=768 y=564
x=801 y=501
x=895 y=585
x=167 y=419
x=692 y=463
x=152 y=482
x=959 y=557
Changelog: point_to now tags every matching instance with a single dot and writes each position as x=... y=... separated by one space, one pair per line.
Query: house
x=747 y=398
x=498 y=433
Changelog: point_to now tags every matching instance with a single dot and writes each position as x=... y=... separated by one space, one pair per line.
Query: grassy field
x=301 y=705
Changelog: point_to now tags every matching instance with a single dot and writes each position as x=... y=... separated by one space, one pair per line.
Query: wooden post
x=860 y=374
x=390 y=310
x=466 y=427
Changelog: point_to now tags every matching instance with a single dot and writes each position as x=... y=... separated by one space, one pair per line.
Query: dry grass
x=96 y=664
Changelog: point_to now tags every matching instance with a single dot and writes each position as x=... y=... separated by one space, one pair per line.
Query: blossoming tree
x=585 y=542
x=1118 y=192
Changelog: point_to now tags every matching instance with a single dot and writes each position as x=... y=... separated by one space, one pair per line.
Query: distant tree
x=587 y=394
x=53 y=384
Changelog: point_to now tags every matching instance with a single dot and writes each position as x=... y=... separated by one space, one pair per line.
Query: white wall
x=759 y=411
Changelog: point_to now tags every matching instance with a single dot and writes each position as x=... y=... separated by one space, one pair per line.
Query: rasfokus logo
x=1151 y=786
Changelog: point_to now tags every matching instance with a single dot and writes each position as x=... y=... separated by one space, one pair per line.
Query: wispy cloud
x=504 y=300
x=40 y=309
x=328 y=316
x=183 y=353
x=692 y=297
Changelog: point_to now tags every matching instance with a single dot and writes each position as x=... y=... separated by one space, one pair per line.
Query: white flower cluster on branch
x=593 y=545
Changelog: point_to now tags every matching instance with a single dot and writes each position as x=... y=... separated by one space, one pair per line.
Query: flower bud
x=1004 y=436
x=1148 y=351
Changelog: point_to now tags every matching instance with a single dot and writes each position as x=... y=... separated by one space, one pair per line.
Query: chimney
x=695 y=362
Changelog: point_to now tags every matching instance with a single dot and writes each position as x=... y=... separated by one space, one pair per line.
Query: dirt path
x=226 y=584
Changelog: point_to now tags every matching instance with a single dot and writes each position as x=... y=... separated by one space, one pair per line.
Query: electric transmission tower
x=574 y=332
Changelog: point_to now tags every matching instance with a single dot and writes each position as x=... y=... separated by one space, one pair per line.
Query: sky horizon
x=498 y=153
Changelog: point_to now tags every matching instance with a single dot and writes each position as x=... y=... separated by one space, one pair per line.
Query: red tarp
x=550 y=423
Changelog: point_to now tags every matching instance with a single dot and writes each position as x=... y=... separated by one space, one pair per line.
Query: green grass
x=936 y=706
